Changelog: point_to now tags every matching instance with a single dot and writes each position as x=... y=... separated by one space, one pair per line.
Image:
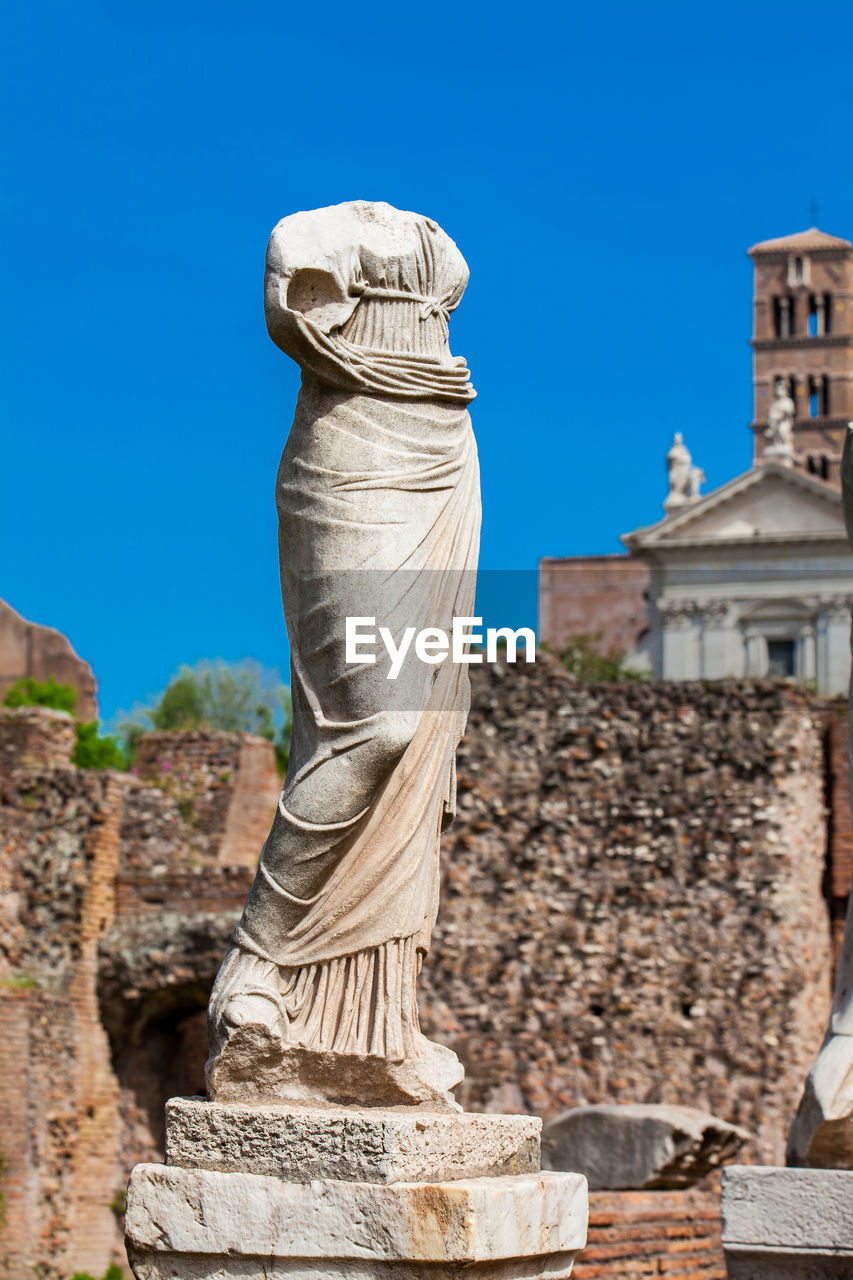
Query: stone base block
x=194 y=1224
x=788 y=1224
x=299 y=1144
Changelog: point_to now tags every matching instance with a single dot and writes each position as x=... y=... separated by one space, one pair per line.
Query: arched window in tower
x=817 y=315
x=827 y=313
x=782 y=317
x=818 y=396
x=792 y=392
x=798 y=271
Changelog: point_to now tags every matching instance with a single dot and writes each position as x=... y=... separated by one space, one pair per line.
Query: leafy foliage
x=584 y=657
x=240 y=697
x=92 y=750
x=41 y=693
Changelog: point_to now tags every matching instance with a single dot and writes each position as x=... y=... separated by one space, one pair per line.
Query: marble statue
x=379 y=513
x=822 y=1132
x=330 y=1145
x=684 y=478
x=779 y=432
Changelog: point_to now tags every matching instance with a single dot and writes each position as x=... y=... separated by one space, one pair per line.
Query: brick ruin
x=637 y=898
x=27 y=649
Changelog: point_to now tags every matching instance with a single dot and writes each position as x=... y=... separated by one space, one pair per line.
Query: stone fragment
x=194 y=1223
x=640 y=1145
x=255 y=1066
x=822 y=1133
x=378 y=1145
x=792 y=1223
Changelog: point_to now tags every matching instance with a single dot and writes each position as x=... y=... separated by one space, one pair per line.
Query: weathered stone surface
x=28 y=649
x=791 y=1223
x=639 y=1146
x=822 y=1133
x=378 y=1145
x=190 y=1222
x=255 y=1066
x=624 y=859
x=224 y=786
x=35 y=738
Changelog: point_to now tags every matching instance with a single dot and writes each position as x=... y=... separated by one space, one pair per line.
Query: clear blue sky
x=602 y=167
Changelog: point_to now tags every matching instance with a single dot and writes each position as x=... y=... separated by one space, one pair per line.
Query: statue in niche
x=779 y=432
x=822 y=1132
x=684 y=479
x=379 y=512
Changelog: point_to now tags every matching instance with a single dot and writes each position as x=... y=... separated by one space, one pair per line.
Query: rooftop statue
x=379 y=513
x=684 y=479
x=779 y=432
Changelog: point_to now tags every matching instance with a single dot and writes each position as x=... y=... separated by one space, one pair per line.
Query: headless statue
x=379 y=513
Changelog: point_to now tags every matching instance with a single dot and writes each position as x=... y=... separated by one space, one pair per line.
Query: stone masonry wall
x=632 y=903
x=225 y=786
x=632 y=909
x=58 y=1094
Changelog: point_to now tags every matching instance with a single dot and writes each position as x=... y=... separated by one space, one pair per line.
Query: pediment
x=770 y=502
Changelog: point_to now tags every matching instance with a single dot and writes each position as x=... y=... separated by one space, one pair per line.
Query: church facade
x=756 y=578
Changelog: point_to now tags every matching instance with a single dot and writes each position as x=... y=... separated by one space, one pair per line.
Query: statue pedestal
x=264 y=1192
x=787 y=1224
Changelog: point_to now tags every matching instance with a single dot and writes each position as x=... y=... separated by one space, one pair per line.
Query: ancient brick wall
x=225 y=787
x=632 y=909
x=58 y=1095
x=591 y=595
x=35 y=736
x=638 y=1234
x=27 y=649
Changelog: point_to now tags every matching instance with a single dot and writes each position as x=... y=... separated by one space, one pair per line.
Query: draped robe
x=379 y=512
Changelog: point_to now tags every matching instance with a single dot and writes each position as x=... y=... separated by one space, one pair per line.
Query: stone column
x=680 y=640
x=756 y=654
x=833 y=644
x=716 y=659
x=808 y=654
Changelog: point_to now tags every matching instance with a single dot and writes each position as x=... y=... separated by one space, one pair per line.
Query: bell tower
x=803 y=335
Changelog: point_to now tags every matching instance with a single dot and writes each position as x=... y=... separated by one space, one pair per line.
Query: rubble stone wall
x=632 y=909
x=59 y=1098
x=225 y=786
x=632 y=905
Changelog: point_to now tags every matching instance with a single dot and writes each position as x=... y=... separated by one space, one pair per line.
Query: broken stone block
x=822 y=1133
x=379 y=1145
x=791 y=1223
x=639 y=1146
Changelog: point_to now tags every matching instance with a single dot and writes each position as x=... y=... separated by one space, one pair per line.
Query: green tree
x=41 y=693
x=241 y=697
x=584 y=657
x=92 y=751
